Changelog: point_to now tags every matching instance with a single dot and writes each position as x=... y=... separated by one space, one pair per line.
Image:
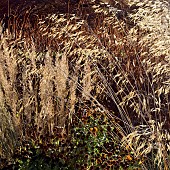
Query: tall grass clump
x=85 y=85
x=151 y=33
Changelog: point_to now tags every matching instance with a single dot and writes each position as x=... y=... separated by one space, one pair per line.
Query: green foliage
x=89 y=146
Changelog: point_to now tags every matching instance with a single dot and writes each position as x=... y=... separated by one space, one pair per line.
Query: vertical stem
x=8 y=15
